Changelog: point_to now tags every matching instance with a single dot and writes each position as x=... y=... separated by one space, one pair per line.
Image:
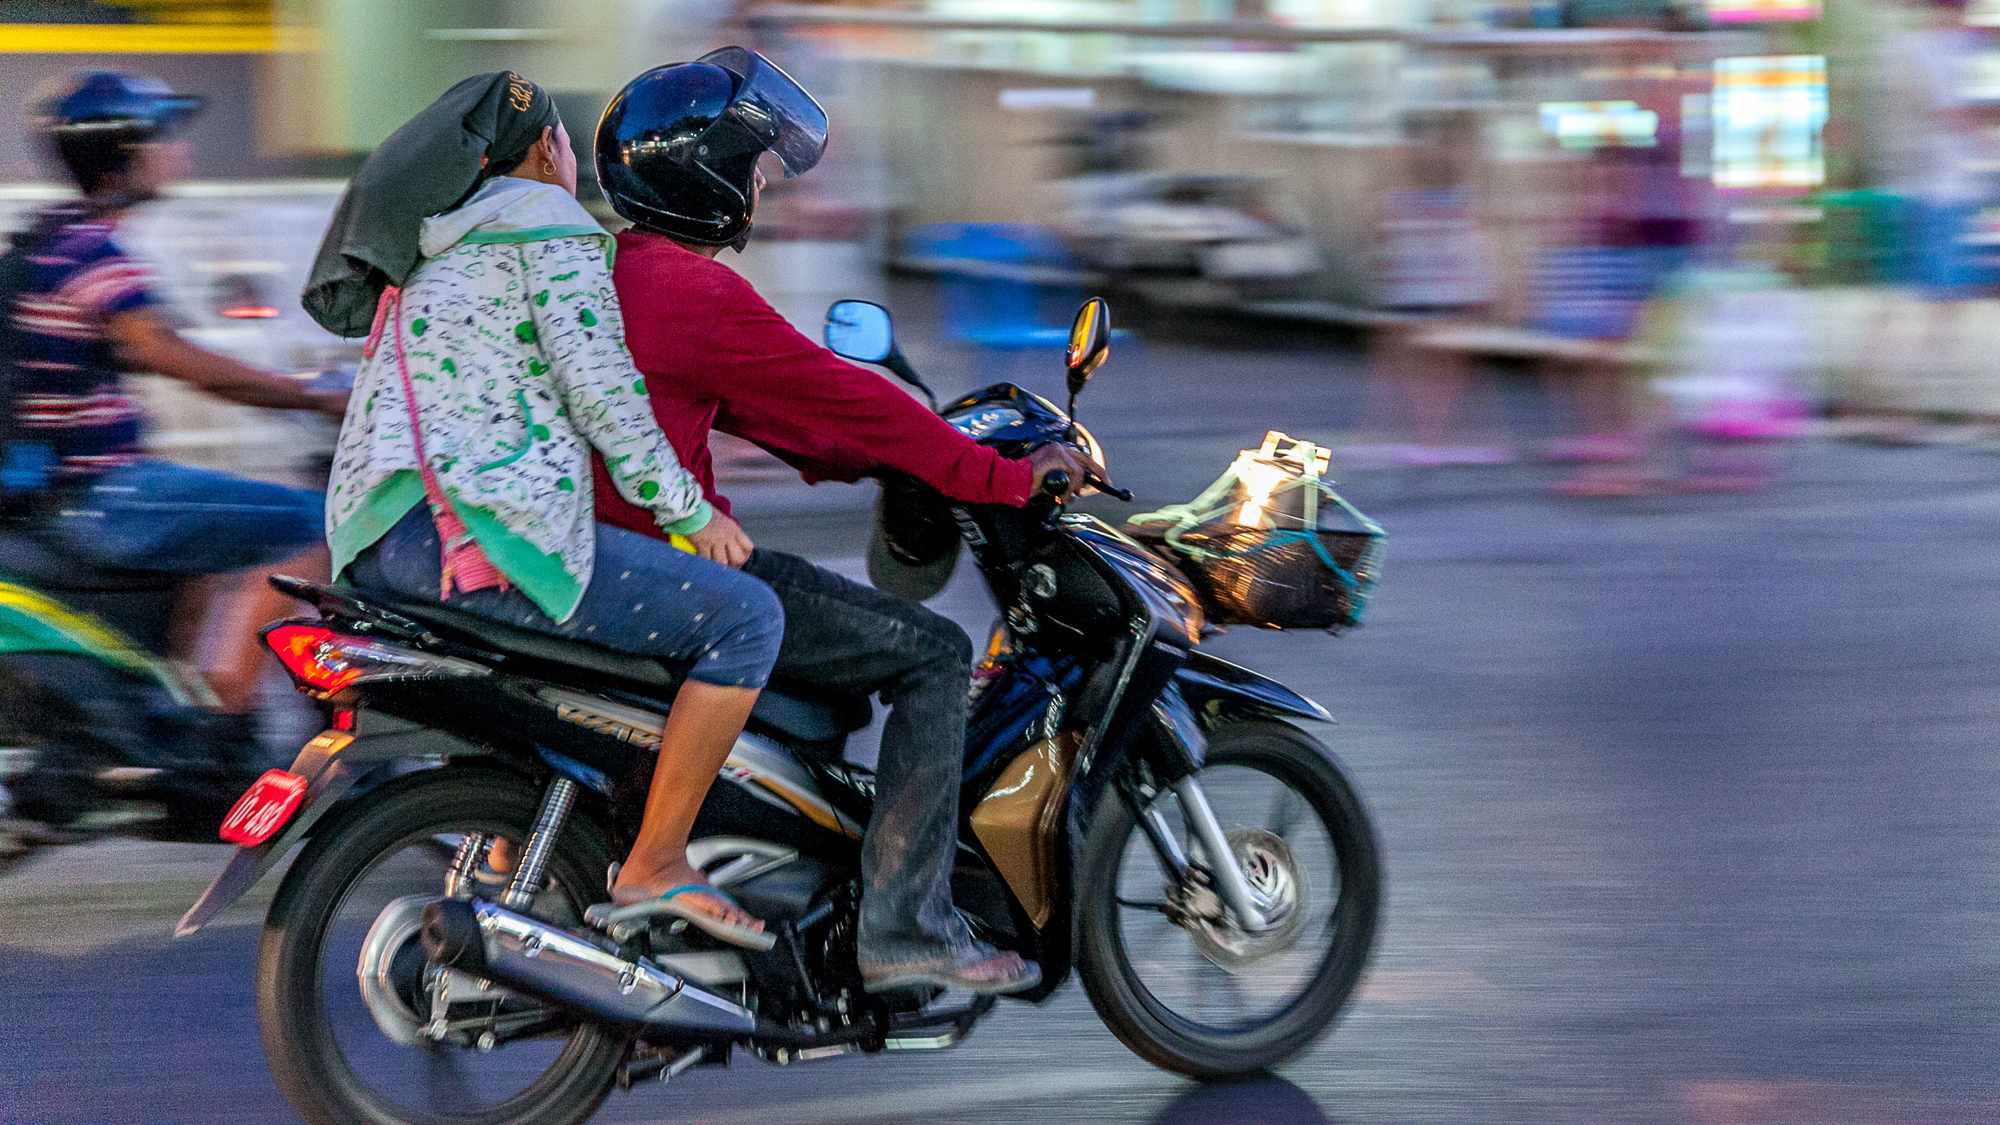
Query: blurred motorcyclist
x=81 y=314
x=677 y=154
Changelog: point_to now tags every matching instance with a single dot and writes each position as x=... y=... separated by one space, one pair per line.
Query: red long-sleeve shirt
x=716 y=355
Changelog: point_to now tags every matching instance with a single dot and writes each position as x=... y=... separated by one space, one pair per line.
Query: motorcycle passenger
x=677 y=154
x=463 y=472
x=82 y=314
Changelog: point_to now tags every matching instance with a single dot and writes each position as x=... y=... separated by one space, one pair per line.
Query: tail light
x=327 y=662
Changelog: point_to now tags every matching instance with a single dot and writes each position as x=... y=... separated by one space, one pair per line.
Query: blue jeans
x=841 y=636
x=177 y=519
x=644 y=597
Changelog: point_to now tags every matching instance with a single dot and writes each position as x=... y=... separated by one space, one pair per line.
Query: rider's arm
x=831 y=419
x=144 y=342
x=582 y=334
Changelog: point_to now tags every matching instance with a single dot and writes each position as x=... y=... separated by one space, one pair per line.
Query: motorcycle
x=100 y=735
x=1133 y=809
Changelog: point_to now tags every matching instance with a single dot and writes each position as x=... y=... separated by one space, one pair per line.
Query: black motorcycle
x=1132 y=807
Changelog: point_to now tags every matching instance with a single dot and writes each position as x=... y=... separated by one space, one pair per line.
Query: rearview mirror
x=1089 y=343
x=860 y=331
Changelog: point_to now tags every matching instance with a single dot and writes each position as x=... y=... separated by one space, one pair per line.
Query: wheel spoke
x=1285 y=812
x=1239 y=1000
x=446 y=1085
x=1140 y=904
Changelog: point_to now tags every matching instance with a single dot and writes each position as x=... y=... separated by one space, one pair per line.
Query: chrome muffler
x=540 y=960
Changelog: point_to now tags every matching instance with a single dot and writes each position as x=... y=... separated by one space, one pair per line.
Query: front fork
x=1189 y=747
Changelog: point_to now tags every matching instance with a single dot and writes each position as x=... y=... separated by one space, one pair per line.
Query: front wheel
x=1165 y=963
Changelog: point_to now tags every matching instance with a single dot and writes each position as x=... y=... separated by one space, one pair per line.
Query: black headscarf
x=429 y=165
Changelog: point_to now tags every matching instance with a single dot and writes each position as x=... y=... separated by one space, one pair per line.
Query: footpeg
x=936 y=1031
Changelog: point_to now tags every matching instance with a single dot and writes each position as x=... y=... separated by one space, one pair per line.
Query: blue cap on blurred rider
x=96 y=123
x=678 y=147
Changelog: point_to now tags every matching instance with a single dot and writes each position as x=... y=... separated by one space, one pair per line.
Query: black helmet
x=677 y=149
x=94 y=123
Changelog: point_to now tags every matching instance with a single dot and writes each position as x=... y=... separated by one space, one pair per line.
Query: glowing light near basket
x=1264 y=469
x=1768 y=114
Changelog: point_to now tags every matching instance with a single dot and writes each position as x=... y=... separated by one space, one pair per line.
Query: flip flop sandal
x=954 y=975
x=605 y=916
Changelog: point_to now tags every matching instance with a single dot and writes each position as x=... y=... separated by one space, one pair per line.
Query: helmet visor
x=769 y=113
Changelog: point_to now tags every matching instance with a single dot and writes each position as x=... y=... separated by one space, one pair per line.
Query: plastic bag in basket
x=1271 y=543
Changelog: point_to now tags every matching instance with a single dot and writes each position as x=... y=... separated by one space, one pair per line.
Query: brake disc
x=1280 y=891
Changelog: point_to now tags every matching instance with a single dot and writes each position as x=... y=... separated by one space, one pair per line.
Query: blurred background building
x=1565 y=183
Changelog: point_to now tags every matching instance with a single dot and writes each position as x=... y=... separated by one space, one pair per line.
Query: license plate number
x=264 y=808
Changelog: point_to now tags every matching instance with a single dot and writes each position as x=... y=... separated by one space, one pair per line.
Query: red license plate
x=264 y=808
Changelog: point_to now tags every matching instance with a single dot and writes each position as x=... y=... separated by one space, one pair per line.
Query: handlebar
x=1057 y=485
x=1109 y=489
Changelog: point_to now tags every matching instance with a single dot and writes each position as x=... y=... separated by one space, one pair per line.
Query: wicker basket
x=1270 y=543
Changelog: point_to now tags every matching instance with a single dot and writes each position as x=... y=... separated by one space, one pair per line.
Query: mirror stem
x=902 y=369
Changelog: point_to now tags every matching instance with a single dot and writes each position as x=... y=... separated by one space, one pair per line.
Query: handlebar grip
x=1056 y=483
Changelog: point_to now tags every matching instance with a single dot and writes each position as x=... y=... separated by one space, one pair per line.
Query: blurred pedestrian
x=1943 y=159
x=1641 y=223
x=1436 y=266
x=80 y=315
x=496 y=366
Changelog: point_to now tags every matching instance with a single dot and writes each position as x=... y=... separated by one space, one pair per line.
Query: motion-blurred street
x=1688 y=805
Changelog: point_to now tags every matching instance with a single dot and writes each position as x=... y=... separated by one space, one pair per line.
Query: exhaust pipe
x=537 y=959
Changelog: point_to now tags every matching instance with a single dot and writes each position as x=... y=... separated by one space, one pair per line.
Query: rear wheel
x=1166 y=965
x=323 y=1033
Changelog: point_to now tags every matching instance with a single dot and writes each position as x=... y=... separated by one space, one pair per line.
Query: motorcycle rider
x=496 y=365
x=677 y=154
x=81 y=314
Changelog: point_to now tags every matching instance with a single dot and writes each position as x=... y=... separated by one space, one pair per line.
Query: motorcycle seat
x=806 y=716
x=31 y=558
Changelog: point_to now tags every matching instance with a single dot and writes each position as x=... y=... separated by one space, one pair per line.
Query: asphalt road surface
x=1687 y=804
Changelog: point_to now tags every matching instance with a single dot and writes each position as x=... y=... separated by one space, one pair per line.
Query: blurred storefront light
x=1768 y=116
x=1601 y=124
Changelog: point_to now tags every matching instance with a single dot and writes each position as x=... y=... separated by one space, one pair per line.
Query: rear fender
x=331 y=764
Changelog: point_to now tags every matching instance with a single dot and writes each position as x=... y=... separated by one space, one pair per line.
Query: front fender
x=331 y=764
x=1217 y=689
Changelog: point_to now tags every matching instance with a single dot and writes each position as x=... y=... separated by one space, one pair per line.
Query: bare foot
x=636 y=885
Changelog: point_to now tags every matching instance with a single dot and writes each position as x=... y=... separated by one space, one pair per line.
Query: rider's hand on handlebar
x=1065 y=458
x=722 y=541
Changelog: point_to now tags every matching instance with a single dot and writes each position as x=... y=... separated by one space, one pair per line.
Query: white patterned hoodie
x=516 y=350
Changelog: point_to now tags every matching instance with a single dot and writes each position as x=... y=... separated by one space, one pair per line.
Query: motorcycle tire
x=291 y=1017
x=1162 y=1036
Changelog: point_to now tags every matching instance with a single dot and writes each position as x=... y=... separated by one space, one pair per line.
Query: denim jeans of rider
x=843 y=636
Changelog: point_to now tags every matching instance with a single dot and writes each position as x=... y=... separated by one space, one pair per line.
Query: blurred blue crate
x=1005 y=285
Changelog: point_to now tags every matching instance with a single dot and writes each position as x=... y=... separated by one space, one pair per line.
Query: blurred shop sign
x=1762 y=11
x=1032 y=99
x=147 y=27
x=1768 y=114
x=1600 y=124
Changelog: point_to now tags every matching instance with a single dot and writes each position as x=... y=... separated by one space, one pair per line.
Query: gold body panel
x=1016 y=821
